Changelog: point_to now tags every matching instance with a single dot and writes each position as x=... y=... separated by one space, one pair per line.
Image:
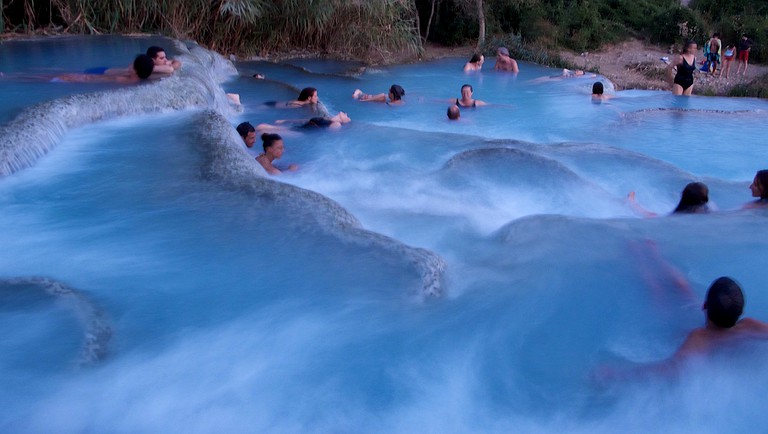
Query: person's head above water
x=502 y=51
x=759 y=185
x=694 y=199
x=396 y=92
x=724 y=303
x=248 y=133
x=597 y=88
x=143 y=65
x=157 y=54
x=270 y=139
x=308 y=94
x=454 y=113
x=466 y=89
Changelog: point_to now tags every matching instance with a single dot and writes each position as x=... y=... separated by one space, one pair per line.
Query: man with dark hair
x=744 y=45
x=248 y=133
x=724 y=305
x=163 y=65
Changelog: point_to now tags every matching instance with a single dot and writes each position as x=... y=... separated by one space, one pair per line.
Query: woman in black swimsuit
x=685 y=65
x=466 y=98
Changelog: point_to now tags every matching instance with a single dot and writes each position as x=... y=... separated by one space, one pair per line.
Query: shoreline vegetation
x=623 y=41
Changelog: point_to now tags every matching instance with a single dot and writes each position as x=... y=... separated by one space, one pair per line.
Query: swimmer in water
x=475 y=63
x=247 y=133
x=395 y=95
x=307 y=96
x=759 y=188
x=333 y=123
x=723 y=305
x=142 y=68
x=273 y=150
x=466 y=98
x=598 y=92
x=454 y=113
x=693 y=200
x=163 y=65
x=504 y=62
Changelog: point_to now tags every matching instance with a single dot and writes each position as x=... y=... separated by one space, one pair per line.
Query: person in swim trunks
x=684 y=65
x=466 y=98
x=745 y=45
x=713 y=55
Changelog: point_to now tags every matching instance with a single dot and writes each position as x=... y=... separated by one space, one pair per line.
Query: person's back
x=724 y=305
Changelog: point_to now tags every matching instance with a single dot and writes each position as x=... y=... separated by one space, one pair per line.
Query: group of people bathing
x=695 y=197
x=681 y=69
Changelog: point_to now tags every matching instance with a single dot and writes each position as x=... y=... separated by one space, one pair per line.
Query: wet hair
x=397 y=92
x=725 y=302
x=318 y=122
x=244 y=128
x=306 y=93
x=597 y=88
x=694 y=199
x=762 y=181
x=269 y=139
x=475 y=58
x=143 y=65
x=469 y=86
x=453 y=112
x=154 y=50
x=688 y=44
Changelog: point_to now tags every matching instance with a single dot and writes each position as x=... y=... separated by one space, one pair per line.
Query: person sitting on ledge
x=395 y=95
x=273 y=150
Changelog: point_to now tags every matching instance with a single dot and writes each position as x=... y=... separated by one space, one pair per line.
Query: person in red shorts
x=745 y=44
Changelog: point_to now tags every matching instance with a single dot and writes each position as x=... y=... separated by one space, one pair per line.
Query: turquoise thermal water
x=242 y=303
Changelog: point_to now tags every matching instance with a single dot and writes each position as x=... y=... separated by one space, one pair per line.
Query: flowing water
x=415 y=275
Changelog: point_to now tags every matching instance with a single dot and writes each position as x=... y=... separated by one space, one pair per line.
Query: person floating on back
x=395 y=95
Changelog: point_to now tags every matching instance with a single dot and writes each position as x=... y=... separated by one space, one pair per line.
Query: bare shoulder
x=696 y=342
x=753 y=326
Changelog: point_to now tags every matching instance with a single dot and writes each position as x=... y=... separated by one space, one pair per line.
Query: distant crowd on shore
x=681 y=69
